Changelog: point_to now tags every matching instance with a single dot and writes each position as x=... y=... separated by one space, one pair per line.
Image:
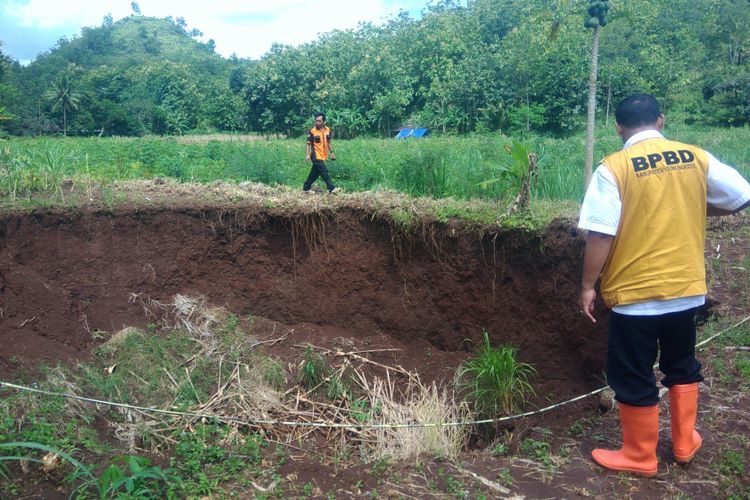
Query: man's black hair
x=320 y=114
x=637 y=110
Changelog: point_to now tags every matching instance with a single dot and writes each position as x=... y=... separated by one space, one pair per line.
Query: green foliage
x=80 y=471
x=274 y=374
x=451 y=167
x=538 y=450
x=203 y=457
x=597 y=13
x=493 y=65
x=494 y=380
x=742 y=364
x=138 y=367
x=62 y=95
x=499 y=450
x=135 y=477
x=516 y=171
x=313 y=369
x=126 y=477
x=731 y=463
x=423 y=174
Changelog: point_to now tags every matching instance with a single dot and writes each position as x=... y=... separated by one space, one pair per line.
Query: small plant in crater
x=379 y=466
x=456 y=487
x=273 y=373
x=577 y=428
x=505 y=477
x=337 y=387
x=232 y=323
x=307 y=490
x=312 y=370
x=360 y=410
x=742 y=364
x=281 y=455
x=494 y=380
x=499 y=450
x=538 y=450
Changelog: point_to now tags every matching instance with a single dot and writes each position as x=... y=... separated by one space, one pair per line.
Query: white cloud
x=247 y=28
x=50 y=14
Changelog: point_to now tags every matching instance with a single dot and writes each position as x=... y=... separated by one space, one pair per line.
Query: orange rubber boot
x=640 y=433
x=683 y=412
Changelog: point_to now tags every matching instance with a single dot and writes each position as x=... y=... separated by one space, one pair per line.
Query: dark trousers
x=633 y=345
x=318 y=169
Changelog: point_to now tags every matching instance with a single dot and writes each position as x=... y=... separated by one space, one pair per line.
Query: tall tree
x=597 y=18
x=63 y=96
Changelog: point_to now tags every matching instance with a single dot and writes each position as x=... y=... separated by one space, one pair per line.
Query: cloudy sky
x=246 y=28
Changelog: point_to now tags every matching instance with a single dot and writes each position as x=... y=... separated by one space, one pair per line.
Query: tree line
x=486 y=65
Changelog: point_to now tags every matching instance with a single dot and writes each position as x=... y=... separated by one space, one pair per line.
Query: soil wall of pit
x=64 y=275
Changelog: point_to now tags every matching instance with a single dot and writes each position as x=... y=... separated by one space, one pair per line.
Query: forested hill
x=138 y=75
x=489 y=65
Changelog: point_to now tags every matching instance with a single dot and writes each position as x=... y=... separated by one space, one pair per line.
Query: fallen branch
x=490 y=484
x=364 y=359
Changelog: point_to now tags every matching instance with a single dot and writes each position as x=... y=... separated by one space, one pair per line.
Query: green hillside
x=138 y=75
x=513 y=66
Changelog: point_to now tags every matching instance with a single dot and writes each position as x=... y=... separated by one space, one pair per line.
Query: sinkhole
x=420 y=297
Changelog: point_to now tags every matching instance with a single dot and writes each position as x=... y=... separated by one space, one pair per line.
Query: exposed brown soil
x=346 y=278
x=64 y=275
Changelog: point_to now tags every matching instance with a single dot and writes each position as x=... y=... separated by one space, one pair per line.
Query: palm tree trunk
x=591 y=118
x=65 y=123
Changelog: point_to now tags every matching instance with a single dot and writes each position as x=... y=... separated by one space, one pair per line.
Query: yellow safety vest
x=657 y=253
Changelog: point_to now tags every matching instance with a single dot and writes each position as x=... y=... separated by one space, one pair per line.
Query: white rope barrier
x=260 y=422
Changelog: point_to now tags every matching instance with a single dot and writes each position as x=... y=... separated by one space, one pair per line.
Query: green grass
x=313 y=369
x=494 y=381
x=439 y=167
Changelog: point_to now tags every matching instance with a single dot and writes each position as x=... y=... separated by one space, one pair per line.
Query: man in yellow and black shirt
x=319 y=149
x=645 y=212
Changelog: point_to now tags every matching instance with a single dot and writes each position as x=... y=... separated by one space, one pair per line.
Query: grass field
x=440 y=166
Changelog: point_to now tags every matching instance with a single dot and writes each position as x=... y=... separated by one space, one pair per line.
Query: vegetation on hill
x=507 y=65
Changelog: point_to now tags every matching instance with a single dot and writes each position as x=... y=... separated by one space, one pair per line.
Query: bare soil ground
x=342 y=275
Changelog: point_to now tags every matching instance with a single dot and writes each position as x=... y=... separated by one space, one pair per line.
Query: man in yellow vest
x=645 y=212
x=319 y=149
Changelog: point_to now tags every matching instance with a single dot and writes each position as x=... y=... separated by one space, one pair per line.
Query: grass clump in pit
x=494 y=381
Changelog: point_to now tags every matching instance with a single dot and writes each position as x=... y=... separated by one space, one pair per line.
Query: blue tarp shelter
x=412 y=132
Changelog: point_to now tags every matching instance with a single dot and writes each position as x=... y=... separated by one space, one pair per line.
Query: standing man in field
x=645 y=211
x=319 y=149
